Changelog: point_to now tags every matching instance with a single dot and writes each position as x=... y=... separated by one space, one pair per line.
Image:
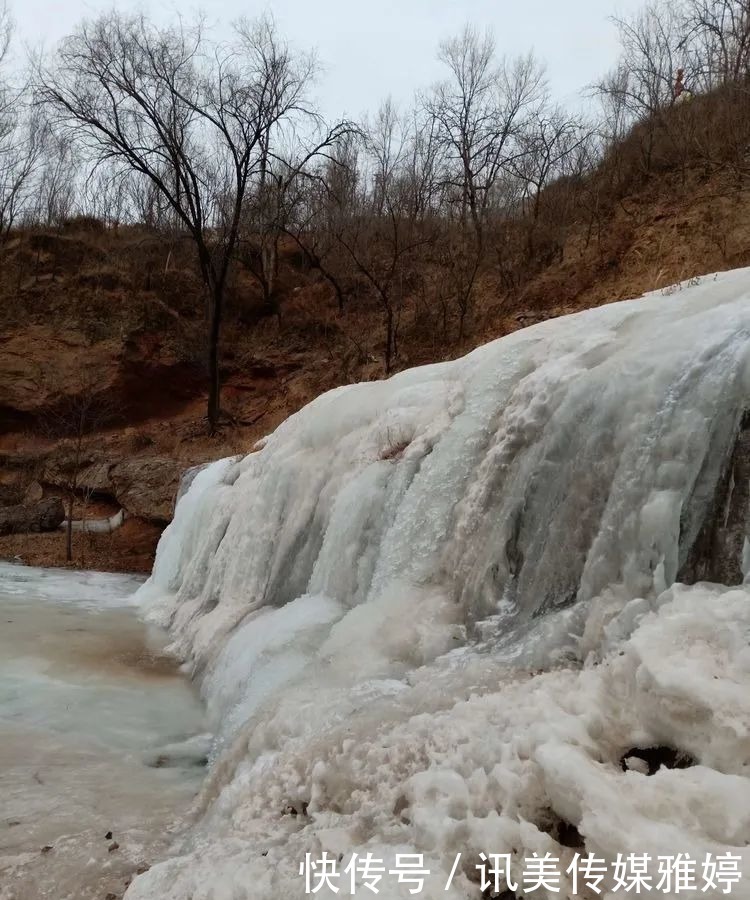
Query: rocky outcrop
x=34 y=492
x=41 y=376
x=39 y=366
x=10 y=494
x=44 y=515
x=95 y=478
x=146 y=487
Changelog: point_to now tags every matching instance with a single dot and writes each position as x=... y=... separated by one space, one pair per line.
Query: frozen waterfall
x=365 y=596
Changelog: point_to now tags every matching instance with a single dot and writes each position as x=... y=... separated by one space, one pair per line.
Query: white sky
x=380 y=47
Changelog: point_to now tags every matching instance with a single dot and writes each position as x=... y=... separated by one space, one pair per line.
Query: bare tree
x=104 y=196
x=77 y=418
x=192 y=118
x=480 y=110
x=652 y=47
x=318 y=207
x=20 y=137
x=642 y=86
x=717 y=41
x=546 y=144
x=386 y=146
x=58 y=177
x=425 y=163
x=383 y=232
x=283 y=174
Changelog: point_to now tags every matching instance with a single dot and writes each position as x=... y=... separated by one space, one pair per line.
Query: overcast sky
x=372 y=48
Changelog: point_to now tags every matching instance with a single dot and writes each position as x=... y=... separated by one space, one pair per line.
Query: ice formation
x=430 y=615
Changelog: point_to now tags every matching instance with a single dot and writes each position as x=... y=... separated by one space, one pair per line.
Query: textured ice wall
x=388 y=551
x=575 y=457
x=468 y=756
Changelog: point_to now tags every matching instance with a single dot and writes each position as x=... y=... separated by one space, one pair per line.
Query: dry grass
x=130 y=304
x=129 y=549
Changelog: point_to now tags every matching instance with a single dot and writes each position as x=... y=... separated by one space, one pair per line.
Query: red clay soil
x=125 y=308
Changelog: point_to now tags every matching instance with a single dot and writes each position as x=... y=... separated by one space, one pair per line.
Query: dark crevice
x=565 y=833
x=222 y=536
x=716 y=553
x=656 y=758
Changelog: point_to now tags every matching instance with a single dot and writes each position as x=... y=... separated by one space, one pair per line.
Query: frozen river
x=100 y=754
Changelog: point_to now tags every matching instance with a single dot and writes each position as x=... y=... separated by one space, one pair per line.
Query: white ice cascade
x=370 y=587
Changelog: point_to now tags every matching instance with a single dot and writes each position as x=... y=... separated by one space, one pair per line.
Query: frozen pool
x=99 y=733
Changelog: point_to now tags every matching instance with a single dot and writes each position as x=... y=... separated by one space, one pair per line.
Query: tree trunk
x=461 y=320
x=69 y=530
x=337 y=290
x=388 y=340
x=21 y=518
x=214 y=375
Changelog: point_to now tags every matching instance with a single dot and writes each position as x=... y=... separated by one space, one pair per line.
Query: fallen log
x=44 y=515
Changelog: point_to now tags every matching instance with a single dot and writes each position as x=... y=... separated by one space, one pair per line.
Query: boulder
x=34 y=493
x=146 y=487
x=92 y=476
x=10 y=494
x=95 y=478
x=44 y=515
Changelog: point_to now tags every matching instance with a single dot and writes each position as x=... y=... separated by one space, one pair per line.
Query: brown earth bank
x=121 y=311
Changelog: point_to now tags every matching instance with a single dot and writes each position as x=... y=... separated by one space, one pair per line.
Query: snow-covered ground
x=431 y=615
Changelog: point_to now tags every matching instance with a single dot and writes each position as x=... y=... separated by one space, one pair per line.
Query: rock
x=568 y=835
x=92 y=476
x=46 y=515
x=191 y=752
x=39 y=363
x=146 y=487
x=95 y=478
x=60 y=466
x=400 y=806
x=113 y=846
x=44 y=366
x=34 y=493
x=10 y=495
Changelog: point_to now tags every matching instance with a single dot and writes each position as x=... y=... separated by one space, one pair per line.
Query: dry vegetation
x=370 y=248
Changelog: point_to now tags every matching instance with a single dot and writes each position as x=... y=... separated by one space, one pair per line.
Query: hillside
x=120 y=312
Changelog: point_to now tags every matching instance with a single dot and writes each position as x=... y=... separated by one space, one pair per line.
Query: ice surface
x=430 y=614
x=89 y=707
x=91 y=590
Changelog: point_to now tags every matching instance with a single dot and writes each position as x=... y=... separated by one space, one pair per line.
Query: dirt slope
x=122 y=311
